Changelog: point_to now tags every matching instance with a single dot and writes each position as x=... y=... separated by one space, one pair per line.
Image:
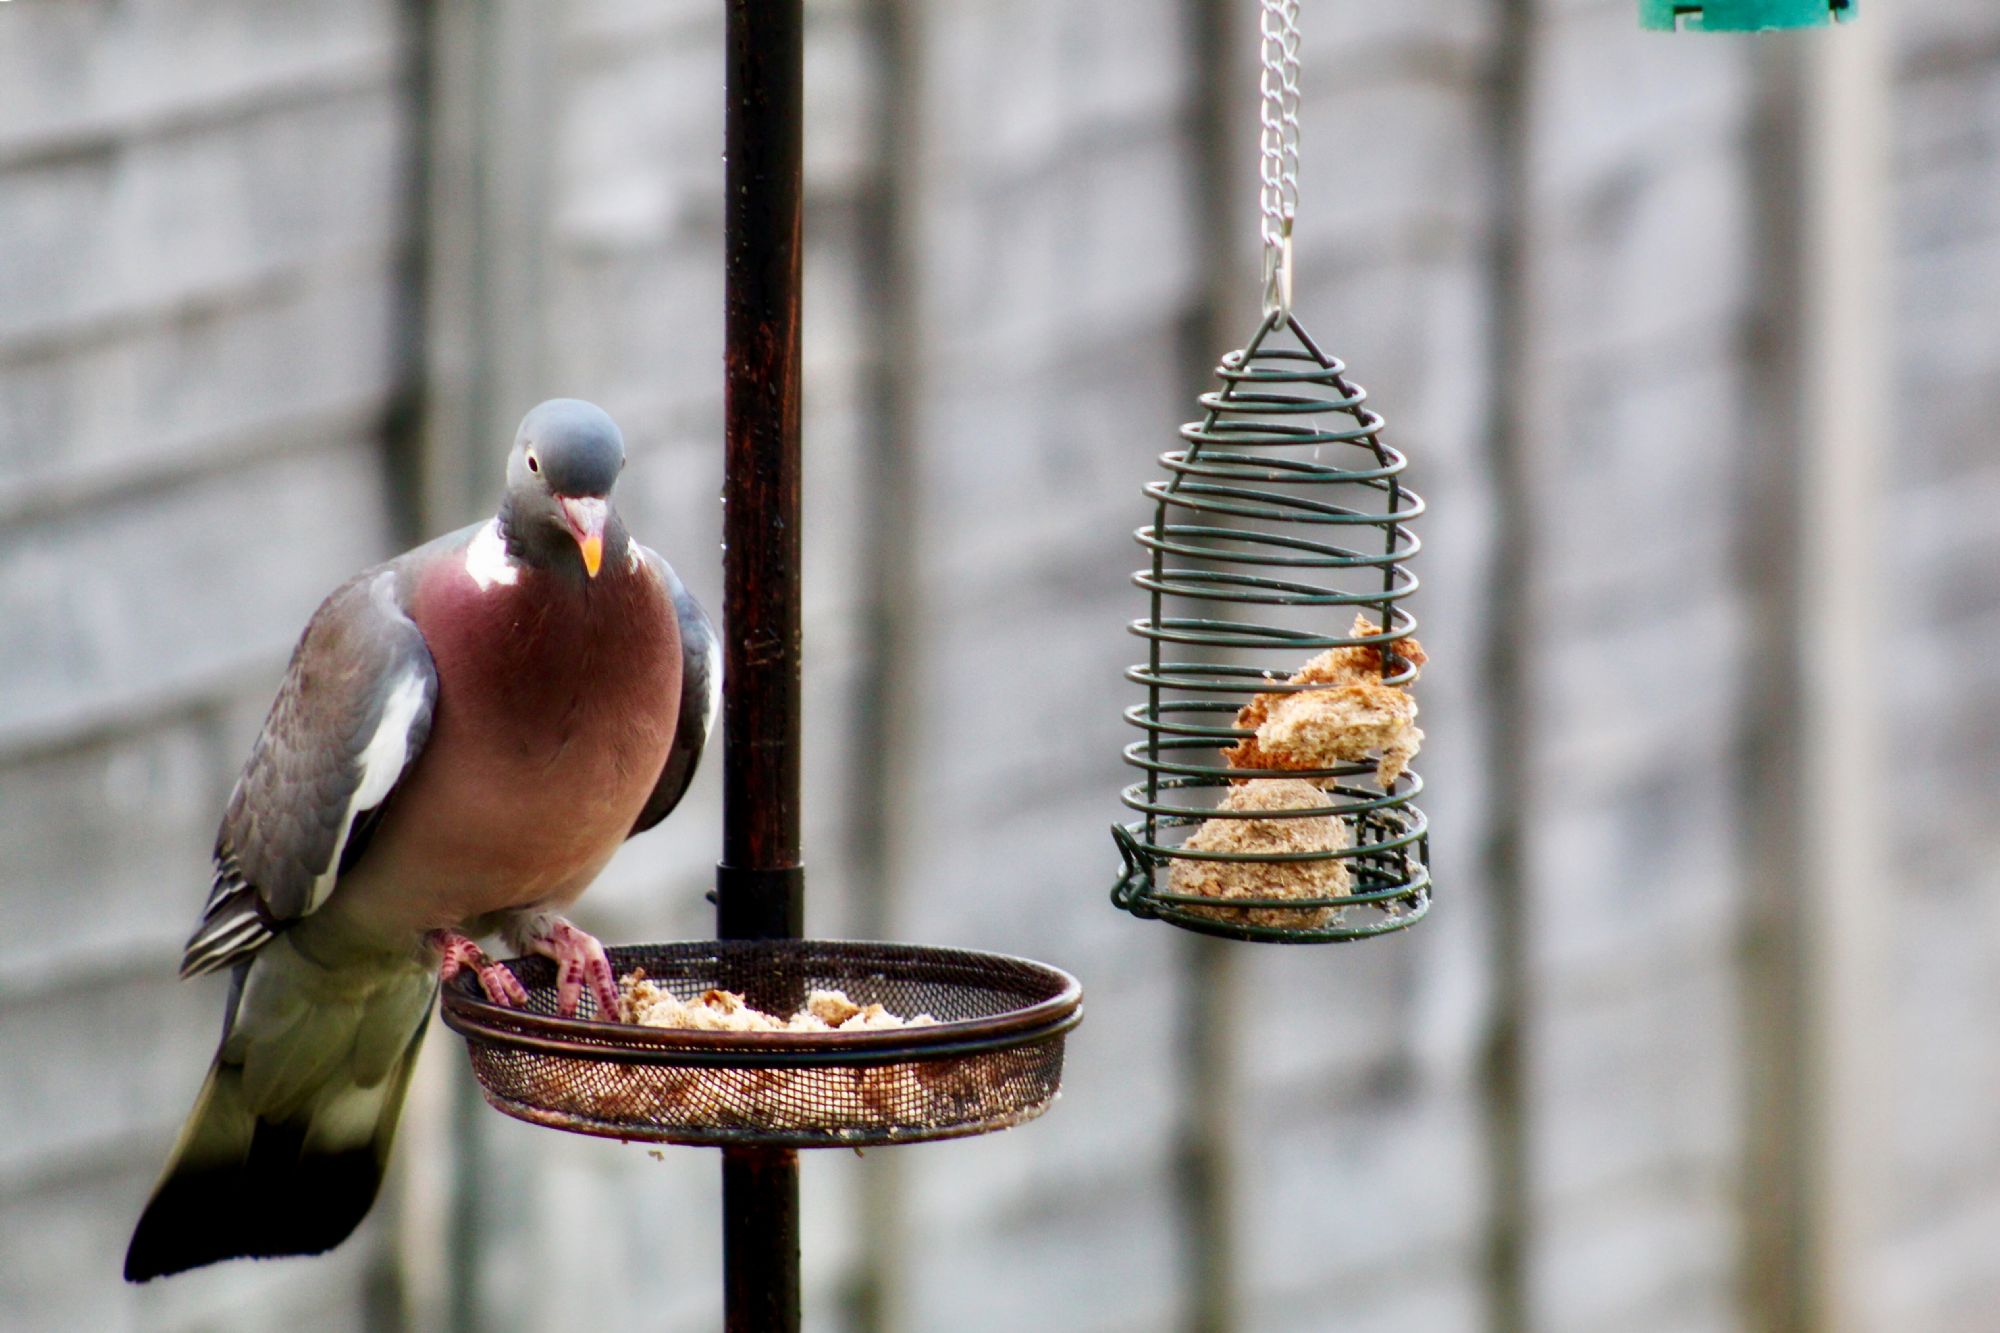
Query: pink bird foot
x=456 y=953
x=580 y=961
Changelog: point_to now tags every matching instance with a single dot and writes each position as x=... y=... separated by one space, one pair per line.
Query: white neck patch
x=486 y=559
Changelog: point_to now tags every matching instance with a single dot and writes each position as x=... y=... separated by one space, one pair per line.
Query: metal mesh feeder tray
x=992 y=1060
x=1282 y=518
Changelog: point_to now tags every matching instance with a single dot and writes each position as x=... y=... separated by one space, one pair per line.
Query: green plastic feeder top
x=1742 y=15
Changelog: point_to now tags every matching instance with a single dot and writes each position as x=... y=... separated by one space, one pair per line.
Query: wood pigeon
x=464 y=737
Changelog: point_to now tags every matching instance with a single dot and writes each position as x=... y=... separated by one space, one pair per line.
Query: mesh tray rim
x=1060 y=1008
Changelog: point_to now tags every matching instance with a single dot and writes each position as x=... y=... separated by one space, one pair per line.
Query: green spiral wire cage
x=1283 y=515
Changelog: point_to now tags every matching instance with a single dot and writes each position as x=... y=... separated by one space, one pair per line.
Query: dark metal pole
x=760 y=883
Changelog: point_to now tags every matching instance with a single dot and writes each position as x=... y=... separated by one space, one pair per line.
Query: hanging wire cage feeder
x=1275 y=801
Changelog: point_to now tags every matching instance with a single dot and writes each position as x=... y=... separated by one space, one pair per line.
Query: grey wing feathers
x=701 y=696
x=352 y=714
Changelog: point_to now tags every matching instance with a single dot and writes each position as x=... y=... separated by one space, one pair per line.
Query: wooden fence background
x=1691 y=340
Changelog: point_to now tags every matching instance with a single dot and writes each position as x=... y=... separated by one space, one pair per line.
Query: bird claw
x=580 y=961
x=456 y=953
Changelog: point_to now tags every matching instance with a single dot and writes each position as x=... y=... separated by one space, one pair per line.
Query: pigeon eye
x=534 y=463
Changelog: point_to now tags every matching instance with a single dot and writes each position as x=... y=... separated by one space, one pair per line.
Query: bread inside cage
x=1352 y=717
x=1326 y=877
x=1355 y=717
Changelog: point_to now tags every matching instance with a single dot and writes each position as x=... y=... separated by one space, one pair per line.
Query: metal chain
x=1279 y=166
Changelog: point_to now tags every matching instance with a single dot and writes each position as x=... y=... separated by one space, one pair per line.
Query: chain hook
x=1278 y=272
x=1279 y=148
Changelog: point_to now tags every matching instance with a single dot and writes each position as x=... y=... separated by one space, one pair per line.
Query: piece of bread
x=1355 y=717
x=711 y=1011
x=653 y=1005
x=1321 y=728
x=1327 y=878
x=830 y=1007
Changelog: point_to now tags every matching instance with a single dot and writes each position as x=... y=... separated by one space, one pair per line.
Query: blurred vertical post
x=1814 y=788
x=882 y=776
x=1514 y=459
x=1206 y=1168
x=760 y=883
x=486 y=90
x=488 y=157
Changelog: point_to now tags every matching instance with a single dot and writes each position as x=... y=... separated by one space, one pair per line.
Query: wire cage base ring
x=992 y=1060
x=1391 y=895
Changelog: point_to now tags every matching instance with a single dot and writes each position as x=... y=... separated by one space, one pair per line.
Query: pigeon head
x=567 y=457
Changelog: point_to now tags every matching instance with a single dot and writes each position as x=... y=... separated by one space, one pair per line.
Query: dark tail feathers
x=242 y=1187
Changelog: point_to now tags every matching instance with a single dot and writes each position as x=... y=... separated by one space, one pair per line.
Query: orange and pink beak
x=585 y=516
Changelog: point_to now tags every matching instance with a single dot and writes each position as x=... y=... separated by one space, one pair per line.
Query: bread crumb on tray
x=1224 y=880
x=1355 y=717
x=650 y=1004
